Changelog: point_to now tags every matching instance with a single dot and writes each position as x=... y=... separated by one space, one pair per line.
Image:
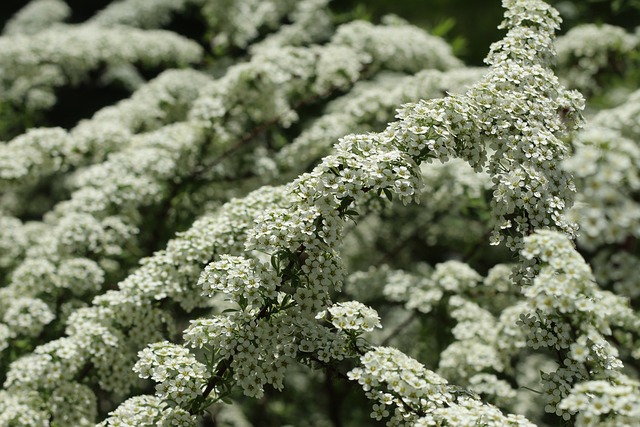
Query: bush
x=267 y=212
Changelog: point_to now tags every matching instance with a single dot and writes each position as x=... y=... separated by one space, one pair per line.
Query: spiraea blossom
x=295 y=217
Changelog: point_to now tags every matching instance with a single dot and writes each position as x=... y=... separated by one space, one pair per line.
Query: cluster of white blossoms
x=326 y=68
x=448 y=278
x=103 y=213
x=101 y=218
x=588 y=50
x=107 y=335
x=369 y=106
x=604 y=403
x=41 y=152
x=36 y=16
x=622 y=118
x=301 y=239
x=411 y=387
x=17 y=409
x=474 y=350
x=449 y=222
x=573 y=316
x=142 y=14
x=15 y=238
x=235 y=24
x=351 y=316
x=148 y=411
x=311 y=23
x=34 y=65
x=479 y=351
x=406 y=393
x=515 y=113
x=26 y=316
x=258 y=346
x=248 y=282
x=576 y=295
x=388 y=48
x=605 y=165
x=251 y=294
x=180 y=374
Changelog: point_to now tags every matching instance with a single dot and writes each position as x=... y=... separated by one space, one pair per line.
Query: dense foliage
x=269 y=212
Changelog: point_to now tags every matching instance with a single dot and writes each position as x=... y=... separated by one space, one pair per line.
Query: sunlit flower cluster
x=351 y=316
x=604 y=403
x=180 y=375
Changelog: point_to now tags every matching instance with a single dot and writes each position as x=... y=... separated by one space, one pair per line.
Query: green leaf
x=444 y=27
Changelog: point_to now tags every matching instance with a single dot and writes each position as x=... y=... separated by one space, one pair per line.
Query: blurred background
x=469 y=25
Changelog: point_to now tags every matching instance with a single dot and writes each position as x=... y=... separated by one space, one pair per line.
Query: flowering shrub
x=322 y=221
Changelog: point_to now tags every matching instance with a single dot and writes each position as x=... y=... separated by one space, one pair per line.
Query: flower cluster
x=351 y=316
x=148 y=411
x=369 y=105
x=36 y=16
x=15 y=238
x=411 y=387
x=94 y=299
x=268 y=93
x=30 y=158
x=21 y=409
x=585 y=53
x=108 y=334
x=301 y=240
x=605 y=162
x=529 y=191
x=604 y=403
x=418 y=396
x=237 y=23
x=27 y=316
x=311 y=23
x=34 y=65
x=387 y=48
x=88 y=224
x=480 y=337
x=180 y=375
x=128 y=180
x=247 y=282
x=474 y=351
x=573 y=316
x=141 y=14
